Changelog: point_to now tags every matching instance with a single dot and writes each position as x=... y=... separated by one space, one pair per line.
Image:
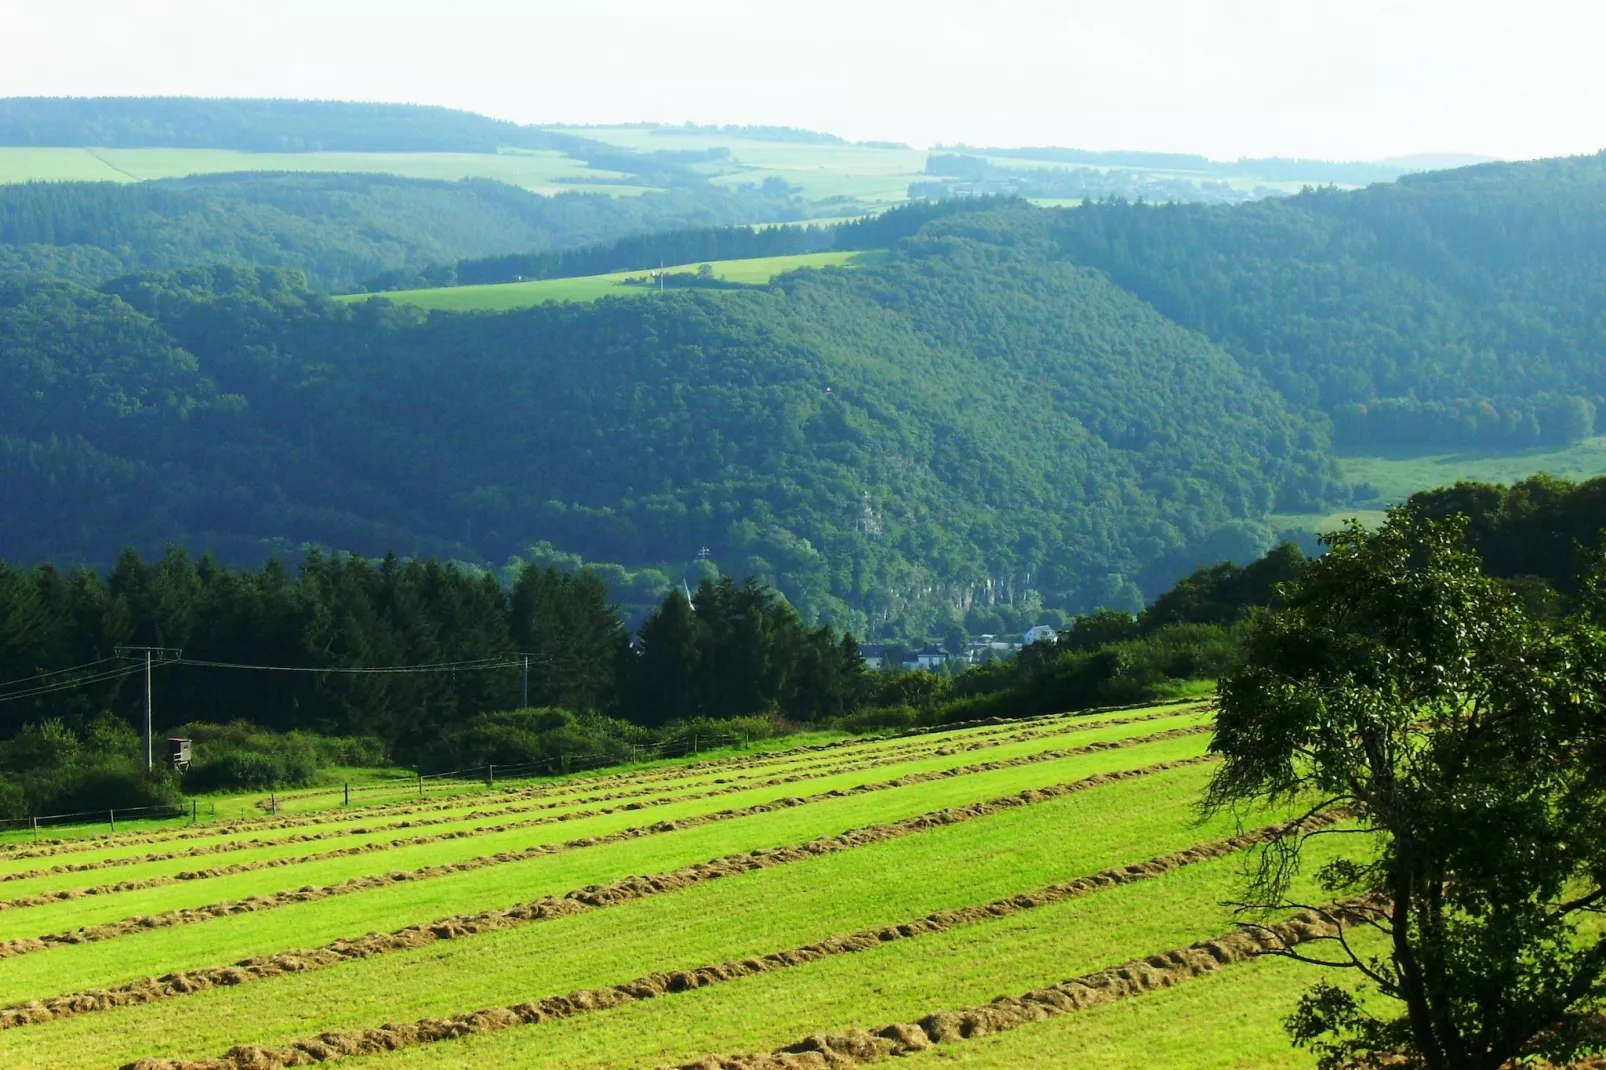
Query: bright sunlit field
x=503 y=297
x=543 y=172
x=722 y=909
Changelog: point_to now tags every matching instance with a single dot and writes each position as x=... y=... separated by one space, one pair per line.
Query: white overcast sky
x=1348 y=79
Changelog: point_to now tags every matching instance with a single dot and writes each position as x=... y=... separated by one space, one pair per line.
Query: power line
x=57 y=672
x=479 y=664
x=68 y=685
x=442 y=666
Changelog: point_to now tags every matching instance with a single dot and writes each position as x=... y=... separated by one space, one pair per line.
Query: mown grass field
x=542 y=172
x=721 y=908
x=1398 y=476
x=504 y=297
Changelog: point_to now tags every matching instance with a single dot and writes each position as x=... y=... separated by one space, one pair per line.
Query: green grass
x=861 y=176
x=503 y=297
x=58 y=917
x=759 y=912
x=1400 y=475
x=542 y=172
x=897 y=982
x=1226 y=1021
x=652 y=781
x=76 y=967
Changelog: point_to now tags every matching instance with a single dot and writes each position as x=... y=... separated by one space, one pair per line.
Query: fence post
x=420 y=783
x=348 y=795
x=490 y=774
x=35 y=829
x=694 y=744
x=111 y=819
x=195 y=810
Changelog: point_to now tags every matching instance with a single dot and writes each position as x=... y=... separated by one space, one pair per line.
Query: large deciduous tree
x=1401 y=685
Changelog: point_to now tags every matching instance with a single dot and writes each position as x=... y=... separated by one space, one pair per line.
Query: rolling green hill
x=960 y=423
x=502 y=297
x=1068 y=407
x=340 y=229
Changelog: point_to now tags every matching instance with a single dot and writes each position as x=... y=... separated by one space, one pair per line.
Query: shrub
x=240 y=756
x=527 y=737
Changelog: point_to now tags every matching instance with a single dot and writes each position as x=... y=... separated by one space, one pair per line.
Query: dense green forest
x=1447 y=309
x=644 y=251
x=966 y=424
x=340 y=229
x=1021 y=408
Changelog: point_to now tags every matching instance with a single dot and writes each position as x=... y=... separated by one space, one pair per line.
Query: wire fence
x=110 y=816
x=557 y=765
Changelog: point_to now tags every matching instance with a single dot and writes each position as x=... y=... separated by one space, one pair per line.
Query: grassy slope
x=1398 y=476
x=275 y=845
x=1227 y=1021
x=898 y=982
x=74 y=968
x=543 y=172
x=502 y=297
x=748 y=915
x=865 y=175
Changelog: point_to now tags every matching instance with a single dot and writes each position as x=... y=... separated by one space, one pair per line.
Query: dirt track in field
x=814 y=771
x=393 y=1037
x=578 y=901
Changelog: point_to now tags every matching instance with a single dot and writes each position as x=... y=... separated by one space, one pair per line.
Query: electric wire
x=56 y=672
x=68 y=685
x=132 y=666
x=442 y=666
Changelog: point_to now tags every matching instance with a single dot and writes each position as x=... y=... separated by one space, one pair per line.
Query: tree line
x=731 y=650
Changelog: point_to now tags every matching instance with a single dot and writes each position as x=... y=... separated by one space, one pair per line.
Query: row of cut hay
x=576 y=901
x=594 y=790
x=349 y=827
x=328 y=1046
x=1134 y=978
x=307 y=893
x=585 y=784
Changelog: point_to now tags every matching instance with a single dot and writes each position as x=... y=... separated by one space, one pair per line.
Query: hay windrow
x=517 y=800
x=855 y=1046
x=309 y=893
x=592 y=897
x=392 y=1037
x=811 y=772
x=47 y=848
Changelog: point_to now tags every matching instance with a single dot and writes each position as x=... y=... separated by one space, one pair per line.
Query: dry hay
x=393 y=1037
x=814 y=771
x=150 y=990
x=309 y=893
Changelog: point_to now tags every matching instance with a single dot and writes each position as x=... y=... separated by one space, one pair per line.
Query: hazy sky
x=1329 y=78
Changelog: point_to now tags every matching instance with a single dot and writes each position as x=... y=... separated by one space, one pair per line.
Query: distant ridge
x=256 y=125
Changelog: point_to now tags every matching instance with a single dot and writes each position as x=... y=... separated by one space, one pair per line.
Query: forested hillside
x=965 y=423
x=1021 y=406
x=1447 y=309
x=340 y=229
